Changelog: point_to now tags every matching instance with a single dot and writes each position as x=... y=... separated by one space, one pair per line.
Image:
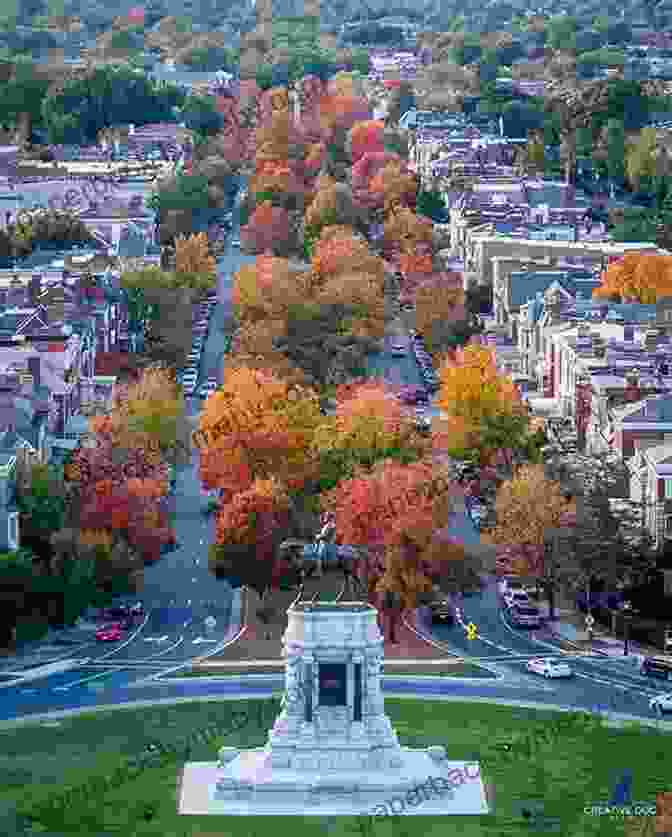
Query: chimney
x=35 y=288
x=34 y=369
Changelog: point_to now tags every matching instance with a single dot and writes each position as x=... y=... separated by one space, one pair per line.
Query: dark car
x=525 y=616
x=412 y=395
x=115 y=614
x=442 y=611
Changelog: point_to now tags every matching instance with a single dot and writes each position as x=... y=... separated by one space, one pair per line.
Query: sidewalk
x=570 y=629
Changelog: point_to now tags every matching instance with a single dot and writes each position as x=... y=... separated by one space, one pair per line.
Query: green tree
x=430 y=204
x=561 y=32
x=41 y=500
x=109 y=95
x=201 y=115
x=185 y=192
x=615 y=162
x=22 y=92
x=640 y=163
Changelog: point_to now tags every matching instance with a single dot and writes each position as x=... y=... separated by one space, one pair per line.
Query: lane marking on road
x=634 y=686
x=203 y=639
x=163 y=638
x=129 y=640
x=121 y=667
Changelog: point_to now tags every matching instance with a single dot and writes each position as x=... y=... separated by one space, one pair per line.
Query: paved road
x=612 y=682
x=179 y=592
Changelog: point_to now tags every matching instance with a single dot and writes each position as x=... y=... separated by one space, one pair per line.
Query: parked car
x=657 y=667
x=235 y=242
x=109 y=633
x=423 y=424
x=112 y=614
x=516 y=598
x=398 y=350
x=524 y=616
x=548 y=667
x=509 y=584
x=442 y=611
x=412 y=395
x=661 y=703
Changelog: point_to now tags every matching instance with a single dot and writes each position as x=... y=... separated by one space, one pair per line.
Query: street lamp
x=627 y=616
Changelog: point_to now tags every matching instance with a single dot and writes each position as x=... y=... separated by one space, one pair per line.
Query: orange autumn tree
x=340 y=251
x=397 y=186
x=637 y=277
x=391 y=508
x=473 y=396
x=368 y=424
x=406 y=230
x=256 y=426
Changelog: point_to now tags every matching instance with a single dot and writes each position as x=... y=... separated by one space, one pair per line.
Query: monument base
x=248 y=785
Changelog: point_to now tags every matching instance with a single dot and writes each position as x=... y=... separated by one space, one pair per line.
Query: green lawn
x=555 y=763
x=456 y=670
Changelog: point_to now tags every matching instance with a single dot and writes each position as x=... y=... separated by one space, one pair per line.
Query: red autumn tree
x=267 y=229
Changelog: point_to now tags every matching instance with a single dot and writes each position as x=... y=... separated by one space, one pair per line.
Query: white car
x=661 y=703
x=548 y=668
x=235 y=242
x=398 y=350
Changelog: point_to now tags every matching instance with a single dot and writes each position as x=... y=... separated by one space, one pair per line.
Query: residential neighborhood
x=335 y=367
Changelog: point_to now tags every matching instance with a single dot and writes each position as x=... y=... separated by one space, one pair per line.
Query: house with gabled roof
x=651 y=485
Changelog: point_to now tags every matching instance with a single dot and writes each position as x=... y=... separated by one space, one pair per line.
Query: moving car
x=109 y=633
x=657 y=667
x=548 y=667
x=661 y=703
x=524 y=616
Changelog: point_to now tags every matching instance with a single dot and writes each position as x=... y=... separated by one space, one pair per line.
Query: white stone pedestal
x=249 y=786
x=332 y=749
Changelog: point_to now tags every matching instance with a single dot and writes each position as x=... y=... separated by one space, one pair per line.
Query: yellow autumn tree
x=528 y=507
x=482 y=409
